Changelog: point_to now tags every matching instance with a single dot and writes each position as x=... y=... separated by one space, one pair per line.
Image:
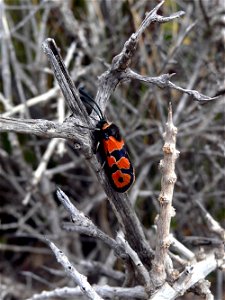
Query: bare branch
x=105 y=291
x=142 y=271
x=38 y=173
x=122 y=61
x=70 y=270
x=213 y=225
x=43 y=128
x=181 y=249
x=202 y=289
x=84 y=225
x=33 y=101
x=152 y=16
x=68 y=130
x=192 y=56
x=120 y=202
x=191 y=275
x=199 y=241
x=163 y=81
x=167 y=166
x=66 y=84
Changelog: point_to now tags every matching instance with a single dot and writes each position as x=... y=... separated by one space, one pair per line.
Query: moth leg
x=102 y=167
x=95 y=148
x=96 y=143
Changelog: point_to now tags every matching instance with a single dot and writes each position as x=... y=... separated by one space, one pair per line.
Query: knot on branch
x=163 y=200
x=219 y=252
x=201 y=255
x=166 y=243
x=168 y=148
x=47 y=127
x=157 y=267
x=172 y=179
x=188 y=270
x=77 y=146
x=164 y=80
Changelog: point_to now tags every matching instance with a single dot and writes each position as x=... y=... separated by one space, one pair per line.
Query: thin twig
x=107 y=292
x=163 y=81
x=52 y=93
x=70 y=270
x=142 y=271
x=213 y=225
x=179 y=248
x=84 y=225
x=38 y=173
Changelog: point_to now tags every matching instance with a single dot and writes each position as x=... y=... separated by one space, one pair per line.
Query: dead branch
x=84 y=225
x=120 y=203
x=108 y=292
x=191 y=275
x=167 y=167
x=71 y=271
x=155 y=270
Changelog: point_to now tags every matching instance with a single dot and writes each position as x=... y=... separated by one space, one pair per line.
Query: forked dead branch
x=149 y=274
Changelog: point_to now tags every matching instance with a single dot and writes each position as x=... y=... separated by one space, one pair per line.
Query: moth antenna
x=92 y=106
x=85 y=96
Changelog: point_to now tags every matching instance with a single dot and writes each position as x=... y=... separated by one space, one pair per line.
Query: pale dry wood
x=71 y=271
x=84 y=225
x=181 y=249
x=213 y=225
x=68 y=130
x=140 y=268
x=12 y=110
x=105 y=291
x=7 y=48
x=190 y=276
x=107 y=83
x=39 y=172
x=167 y=167
x=120 y=202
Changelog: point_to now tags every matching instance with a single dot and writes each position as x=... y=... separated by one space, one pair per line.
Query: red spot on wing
x=118 y=166
x=112 y=144
x=121 y=179
x=111 y=161
x=122 y=163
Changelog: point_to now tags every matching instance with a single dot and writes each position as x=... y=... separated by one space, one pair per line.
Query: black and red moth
x=112 y=149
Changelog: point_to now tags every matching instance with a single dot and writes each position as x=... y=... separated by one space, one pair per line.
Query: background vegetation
x=192 y=47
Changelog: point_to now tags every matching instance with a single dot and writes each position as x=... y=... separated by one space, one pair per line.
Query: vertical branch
x=167 y=166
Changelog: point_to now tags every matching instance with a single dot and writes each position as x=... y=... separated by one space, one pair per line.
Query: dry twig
x=167 y=166
x=71 y=271
x=195 y=123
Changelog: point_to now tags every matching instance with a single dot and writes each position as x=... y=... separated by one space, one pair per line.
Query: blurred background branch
x=90 y=34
